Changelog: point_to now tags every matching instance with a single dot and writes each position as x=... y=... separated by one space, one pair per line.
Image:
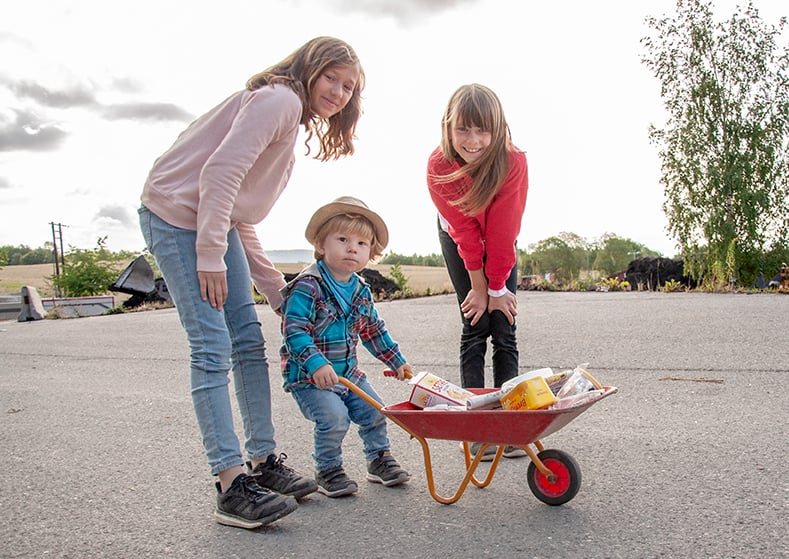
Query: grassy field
x=420 y=278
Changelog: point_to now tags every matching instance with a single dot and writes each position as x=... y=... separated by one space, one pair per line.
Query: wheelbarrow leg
x=471 y=466
x=480 y=452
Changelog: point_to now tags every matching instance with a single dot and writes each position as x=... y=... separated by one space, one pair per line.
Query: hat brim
x=325 y=213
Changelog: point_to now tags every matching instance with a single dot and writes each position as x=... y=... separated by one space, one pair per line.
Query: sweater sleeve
x=262 y=118
x=490 y=236
x=466 y=231
x=503 y=222
x=267 y=279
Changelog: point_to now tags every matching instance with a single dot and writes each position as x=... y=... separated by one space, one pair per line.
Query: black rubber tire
x=567 y=485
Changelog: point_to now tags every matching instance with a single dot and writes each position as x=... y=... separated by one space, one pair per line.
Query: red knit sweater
x=488 y=237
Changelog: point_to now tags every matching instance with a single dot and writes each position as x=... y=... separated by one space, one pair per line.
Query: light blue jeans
x=218 y=341
x=332 y=414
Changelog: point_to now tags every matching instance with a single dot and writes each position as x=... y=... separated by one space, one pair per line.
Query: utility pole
x=57 y=236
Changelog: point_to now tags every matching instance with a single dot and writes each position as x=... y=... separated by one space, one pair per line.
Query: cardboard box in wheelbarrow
x=430 y=390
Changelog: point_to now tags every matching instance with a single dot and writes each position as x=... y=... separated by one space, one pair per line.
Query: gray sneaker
x=514 y=452
x=247 y=505
x=273 y=474
x=335 y=482
x=386 y=470
x=490 y=452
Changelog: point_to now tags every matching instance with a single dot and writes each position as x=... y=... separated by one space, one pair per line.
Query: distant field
x=420 y=278
x=13 y=278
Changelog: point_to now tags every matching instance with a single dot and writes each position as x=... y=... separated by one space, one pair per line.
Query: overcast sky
x=91 y=92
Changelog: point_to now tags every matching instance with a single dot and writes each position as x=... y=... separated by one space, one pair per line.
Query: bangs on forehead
x=471 y=112
x=350 y=223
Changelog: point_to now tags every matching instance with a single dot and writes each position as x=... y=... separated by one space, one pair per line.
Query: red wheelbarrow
x=553 y=475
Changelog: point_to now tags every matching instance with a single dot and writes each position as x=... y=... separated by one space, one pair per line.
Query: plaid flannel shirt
x=316 y=332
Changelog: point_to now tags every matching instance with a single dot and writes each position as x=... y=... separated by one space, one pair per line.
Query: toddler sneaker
x=273 y=474
x=386 y=470
x=247 y=505
x=473 y=448
x=335 y=483
x=514 y=452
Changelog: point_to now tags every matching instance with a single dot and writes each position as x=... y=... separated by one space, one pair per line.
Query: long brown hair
x=476 y=105
x=299 y=71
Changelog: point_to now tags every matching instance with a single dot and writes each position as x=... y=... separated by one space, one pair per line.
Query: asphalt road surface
x=101 y=454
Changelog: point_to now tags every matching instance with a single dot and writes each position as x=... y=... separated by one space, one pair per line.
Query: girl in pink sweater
x=478 y=181
x=200 y=204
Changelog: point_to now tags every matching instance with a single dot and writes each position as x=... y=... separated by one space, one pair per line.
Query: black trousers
x=474 y=339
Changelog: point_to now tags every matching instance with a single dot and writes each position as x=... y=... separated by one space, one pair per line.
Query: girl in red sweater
x=478 y=181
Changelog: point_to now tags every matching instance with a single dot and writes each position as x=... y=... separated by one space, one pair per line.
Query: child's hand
x=405 y=372
x=475 y=305
x=213 y=288
x=325 y=377
x=507 y=303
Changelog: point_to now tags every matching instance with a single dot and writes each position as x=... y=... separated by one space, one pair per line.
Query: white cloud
x=577 y=99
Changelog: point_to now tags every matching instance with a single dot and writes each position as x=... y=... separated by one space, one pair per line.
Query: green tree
x=24 y=255
x=87 y=272
x=615 y=253
x=725 y=143
x=562 y=255
x=413 y=260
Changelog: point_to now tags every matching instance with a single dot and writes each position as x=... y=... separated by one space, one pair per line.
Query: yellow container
x=530 y=394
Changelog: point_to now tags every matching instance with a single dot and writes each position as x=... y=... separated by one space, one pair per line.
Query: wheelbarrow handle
x=391 y=373
x=362 y=394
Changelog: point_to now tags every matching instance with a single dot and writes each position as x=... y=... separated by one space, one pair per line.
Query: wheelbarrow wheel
x=568 y=478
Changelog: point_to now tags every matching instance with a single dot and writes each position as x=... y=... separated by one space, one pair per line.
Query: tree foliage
x=725 y=143
x=563 y=255
x=23 y=255
x=613 y=253
x=413 y=260
x=87 y=272
x=567 y=254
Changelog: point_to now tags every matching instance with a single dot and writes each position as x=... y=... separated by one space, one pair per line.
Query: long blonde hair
x=299 y=71
x=476 y=105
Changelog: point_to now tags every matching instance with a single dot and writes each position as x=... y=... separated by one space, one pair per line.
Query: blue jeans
x=332 y=414
x=474 y=339
x=218 y=341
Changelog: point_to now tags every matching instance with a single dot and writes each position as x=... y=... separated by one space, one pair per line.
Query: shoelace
x=279 y=464
x=251 y=489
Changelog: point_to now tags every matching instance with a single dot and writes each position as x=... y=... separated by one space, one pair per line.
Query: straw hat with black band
x=347 y=205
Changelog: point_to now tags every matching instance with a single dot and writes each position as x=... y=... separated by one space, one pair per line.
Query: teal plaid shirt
x=316 y=332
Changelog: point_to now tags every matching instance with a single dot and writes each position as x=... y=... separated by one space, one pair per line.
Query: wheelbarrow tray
x=553 y=476
x=499 y=427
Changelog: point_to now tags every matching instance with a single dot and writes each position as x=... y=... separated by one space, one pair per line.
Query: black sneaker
x=275 y=475
x=247 y=505
x=386 y=470
x=335 y=483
